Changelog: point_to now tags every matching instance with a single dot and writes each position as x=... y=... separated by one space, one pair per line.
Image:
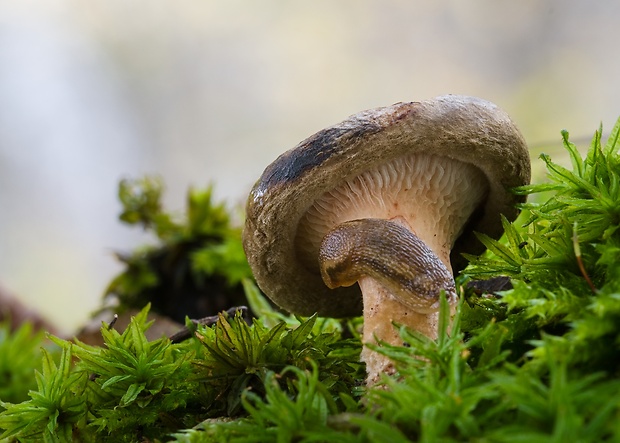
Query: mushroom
x=388 y=199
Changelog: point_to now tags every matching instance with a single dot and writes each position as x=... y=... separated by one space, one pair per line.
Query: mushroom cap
x=466 y=129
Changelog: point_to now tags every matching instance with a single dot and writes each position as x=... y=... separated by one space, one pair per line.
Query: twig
x=187 y=332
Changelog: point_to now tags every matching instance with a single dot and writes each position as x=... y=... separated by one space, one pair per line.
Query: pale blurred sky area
x=199 y=92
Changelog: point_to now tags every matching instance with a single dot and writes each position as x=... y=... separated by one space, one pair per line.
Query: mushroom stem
x=381 y=311
x=400 y=277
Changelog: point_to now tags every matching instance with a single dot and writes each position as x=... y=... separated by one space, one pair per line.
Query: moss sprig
x=54 y=409
x=238 y=357
x=197 y=264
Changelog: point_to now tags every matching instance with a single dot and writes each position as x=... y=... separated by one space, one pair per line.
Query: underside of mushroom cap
x=465 y=129
x=434 y=197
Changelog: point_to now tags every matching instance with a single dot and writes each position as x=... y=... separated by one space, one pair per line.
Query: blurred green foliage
x=19 y=355
x=196 y=267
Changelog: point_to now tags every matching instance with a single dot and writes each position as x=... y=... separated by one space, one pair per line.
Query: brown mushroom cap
x=467 y=129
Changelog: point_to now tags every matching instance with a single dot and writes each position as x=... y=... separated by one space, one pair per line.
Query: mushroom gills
x=435 y=196
x=390 y=254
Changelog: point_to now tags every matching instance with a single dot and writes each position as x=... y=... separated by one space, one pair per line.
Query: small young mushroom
x=387 y=199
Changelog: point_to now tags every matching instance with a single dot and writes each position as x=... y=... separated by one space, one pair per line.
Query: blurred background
x=203 y=92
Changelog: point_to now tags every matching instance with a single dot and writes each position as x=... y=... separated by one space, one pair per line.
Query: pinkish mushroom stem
x=381 y=311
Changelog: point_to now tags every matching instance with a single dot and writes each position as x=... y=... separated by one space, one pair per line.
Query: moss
x=196 y=266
